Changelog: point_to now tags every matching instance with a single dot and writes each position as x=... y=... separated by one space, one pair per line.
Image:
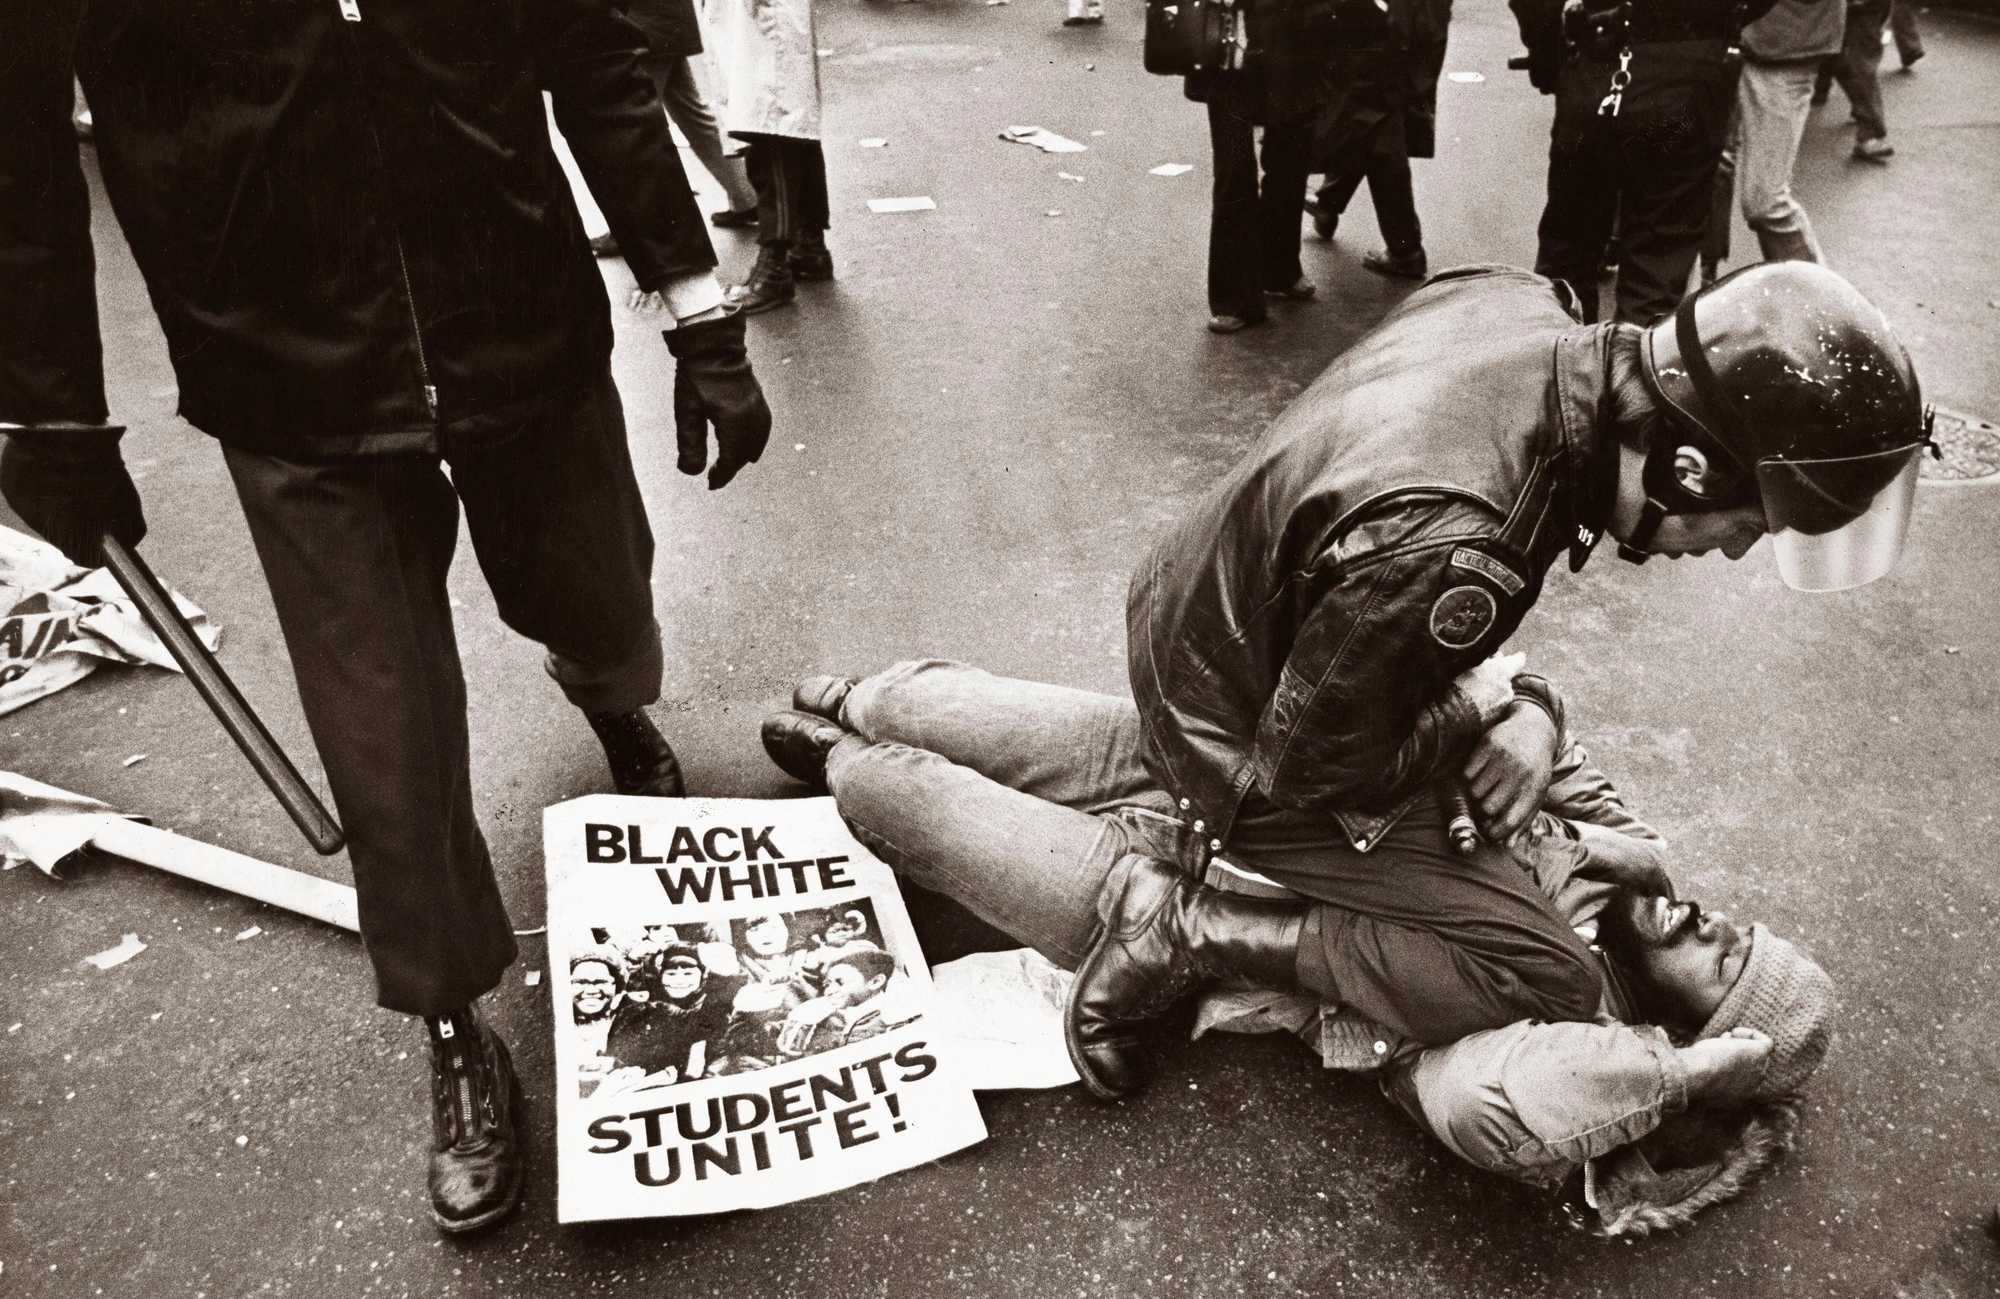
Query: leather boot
x=1162 y=936
x=642 y=762
x=476 y=1162
x=809 y=258
x=799 y=743
x=770 y=283
x=822 y=696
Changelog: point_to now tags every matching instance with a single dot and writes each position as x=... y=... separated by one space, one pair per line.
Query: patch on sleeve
x=1491 y=569
x=1462 y=615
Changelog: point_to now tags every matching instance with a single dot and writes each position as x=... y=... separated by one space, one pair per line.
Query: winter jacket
x=1295 y=637
x=354 y=231
x=1394 y=82
x=767 y=53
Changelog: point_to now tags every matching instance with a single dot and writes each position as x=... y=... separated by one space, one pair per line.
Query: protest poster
x=743 y=1016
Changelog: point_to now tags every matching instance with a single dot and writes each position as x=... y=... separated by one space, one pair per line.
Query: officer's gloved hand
x=713 y=384
x=70 y=484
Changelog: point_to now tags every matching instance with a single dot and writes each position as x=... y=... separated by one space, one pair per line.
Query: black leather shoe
x=809 y=258
x=799 y=743
x=1164 y=936
x=1407 y=266
x=734 y=218
x=642 y=762
x=822 y=696
x=476 y=1159
x=604 y=245
x=770 y=284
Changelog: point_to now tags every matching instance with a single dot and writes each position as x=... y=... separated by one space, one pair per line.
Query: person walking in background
x=673 y=38
x=770 y=61
x=1253 y=233
x=1909 y=40
x=1782 y=52
x=1382 y=113
x=1857 y=67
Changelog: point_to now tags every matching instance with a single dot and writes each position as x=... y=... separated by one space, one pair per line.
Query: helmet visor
x=1840 y=523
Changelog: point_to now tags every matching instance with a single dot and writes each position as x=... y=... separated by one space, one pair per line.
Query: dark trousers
x=1650 y=170
x=790 y=179
x=1386 y=168
x=1858 y=67
x=356 y=553
x=1253 y=230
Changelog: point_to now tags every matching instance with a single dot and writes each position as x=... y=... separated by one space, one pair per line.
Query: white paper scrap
x=1054 y=211
x=1171 y=169
x=1466 y=78
x=112 y=956
x=249 y=934
x=873 y=142
x=134 y=760
x=1069 y=175
x=1042 y=138
x=918 y=203
x=533 y=978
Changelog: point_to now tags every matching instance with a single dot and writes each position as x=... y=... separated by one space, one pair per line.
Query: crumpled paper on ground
x=42 y=824
x=1042 y=138
x=58 y=622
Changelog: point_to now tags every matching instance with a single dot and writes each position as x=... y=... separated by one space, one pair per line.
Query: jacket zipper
x=350 y=11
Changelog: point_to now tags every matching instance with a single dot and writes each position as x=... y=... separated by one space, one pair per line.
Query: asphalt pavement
x=981 y=423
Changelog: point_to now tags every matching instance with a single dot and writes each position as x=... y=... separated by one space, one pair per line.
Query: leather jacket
x=351 y=222
x=1294 y=640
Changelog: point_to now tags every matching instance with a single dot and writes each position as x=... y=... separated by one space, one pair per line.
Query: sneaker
x=1874 y=149
x=1300 y=290
x=1223 y=324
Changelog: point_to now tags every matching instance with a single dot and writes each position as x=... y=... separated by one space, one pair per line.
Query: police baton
x=223 y=698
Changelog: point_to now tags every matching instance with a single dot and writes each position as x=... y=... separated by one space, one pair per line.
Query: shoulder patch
x=1493 y=570
x=1462 y=615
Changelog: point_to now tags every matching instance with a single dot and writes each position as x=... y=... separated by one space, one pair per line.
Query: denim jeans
x=1773 y=101
x=1018 y=799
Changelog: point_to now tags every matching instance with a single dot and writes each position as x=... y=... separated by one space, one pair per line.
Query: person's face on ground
x=591 y=986
x=1684 y=959
x=681 y=981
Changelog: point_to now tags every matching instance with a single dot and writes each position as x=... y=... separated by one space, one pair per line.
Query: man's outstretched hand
x=713 y=385
x=69 y=483
x=1727 y=1068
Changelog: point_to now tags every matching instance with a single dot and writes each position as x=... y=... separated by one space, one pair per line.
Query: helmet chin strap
x=1664 y=495
x=1633 y=551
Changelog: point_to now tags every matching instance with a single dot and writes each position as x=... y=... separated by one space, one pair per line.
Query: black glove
x=713 y=384
x=70 y=485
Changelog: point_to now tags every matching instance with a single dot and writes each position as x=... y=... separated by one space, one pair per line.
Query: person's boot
x=1162 y=936
x=809 y=258
x=476 y=1159
x=822 y=696
x=641 y=760
x=799 y=742
x=770 y=283
x=1409 y=265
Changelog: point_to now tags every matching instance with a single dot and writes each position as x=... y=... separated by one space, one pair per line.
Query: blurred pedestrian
x=1253 y=233
x=1857 y=67
x=1643 y=97
x=1083 y=13
x=1382 y=113
x=377 y=296
x=770 y=60
x=1909 y=39
x=1782 y=52
x=673 y=38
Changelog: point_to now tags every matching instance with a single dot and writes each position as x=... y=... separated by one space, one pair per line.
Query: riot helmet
x=1790 y=382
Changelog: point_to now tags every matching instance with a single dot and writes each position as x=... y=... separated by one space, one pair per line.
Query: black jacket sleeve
x=51 y=360
x=592 y=62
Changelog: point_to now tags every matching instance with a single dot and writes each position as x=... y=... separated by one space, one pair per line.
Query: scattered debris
x=530 y=933
x=242 y=1141
x=1041 y=138
x=798 y=446
x=113 y=956
x=1096 y=133
x=134 y=760
x=1069 y=175
x=1090 y=67
x=533 y=978
x=1171 y=169
x=1054 y=211
x=1466 y=78
x=14 y=1027
x=1949 y=649
x=873 y=142
x=249 y=933
x=917 y=203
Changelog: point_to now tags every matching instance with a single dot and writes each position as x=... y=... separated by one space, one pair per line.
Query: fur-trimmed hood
x=1703 y=1157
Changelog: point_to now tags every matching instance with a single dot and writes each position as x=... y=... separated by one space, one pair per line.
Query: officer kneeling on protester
x=369 y=269
x=1673 y=1086
x=1643 y=93
x=1311 y=650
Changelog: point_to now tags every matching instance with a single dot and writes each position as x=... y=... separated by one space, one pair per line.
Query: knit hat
x=682 y=954
x=1783 y=994
x=605 y=956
